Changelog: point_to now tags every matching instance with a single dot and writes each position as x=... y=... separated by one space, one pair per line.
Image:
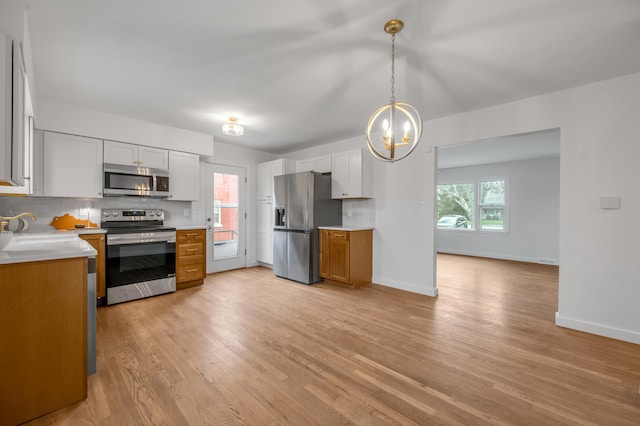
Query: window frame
x=476 y=224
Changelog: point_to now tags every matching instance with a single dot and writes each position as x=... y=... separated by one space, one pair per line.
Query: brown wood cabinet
x=97 y=241
x=190 y=258
x=346 y=256
x=43 y=337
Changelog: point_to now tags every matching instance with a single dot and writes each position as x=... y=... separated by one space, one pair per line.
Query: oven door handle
x=121 y=239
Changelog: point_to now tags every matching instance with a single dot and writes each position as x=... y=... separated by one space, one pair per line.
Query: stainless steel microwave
x=133 y=180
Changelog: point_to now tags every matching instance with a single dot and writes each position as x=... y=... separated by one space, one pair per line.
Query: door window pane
x=225 y=237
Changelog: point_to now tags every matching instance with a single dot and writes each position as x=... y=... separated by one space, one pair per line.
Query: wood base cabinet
x=346 y=256
x=43 y=337
x=190 y=258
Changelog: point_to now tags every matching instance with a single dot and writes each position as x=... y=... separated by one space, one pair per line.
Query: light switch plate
x=610 y=203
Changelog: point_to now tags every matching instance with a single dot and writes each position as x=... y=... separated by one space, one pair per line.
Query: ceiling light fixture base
x=393 y=26
x=232 y=128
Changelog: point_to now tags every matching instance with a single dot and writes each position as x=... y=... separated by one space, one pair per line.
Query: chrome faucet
x=4 y=220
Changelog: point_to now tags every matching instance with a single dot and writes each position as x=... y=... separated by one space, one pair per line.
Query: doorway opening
x=499 y=198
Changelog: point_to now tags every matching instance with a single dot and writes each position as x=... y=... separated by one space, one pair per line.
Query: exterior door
x=225 y=216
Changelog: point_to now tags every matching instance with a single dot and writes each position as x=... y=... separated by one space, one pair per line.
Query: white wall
x=533 y=212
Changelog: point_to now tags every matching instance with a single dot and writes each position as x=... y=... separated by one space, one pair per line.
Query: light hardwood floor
x=249 y=348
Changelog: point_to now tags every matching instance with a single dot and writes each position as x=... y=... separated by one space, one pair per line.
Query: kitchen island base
x=43 y=337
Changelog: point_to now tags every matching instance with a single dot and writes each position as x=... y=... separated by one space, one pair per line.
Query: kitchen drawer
x=190 y=258
x=190 y=250
x=185 y=237
x=339 y=235
x=190 y=272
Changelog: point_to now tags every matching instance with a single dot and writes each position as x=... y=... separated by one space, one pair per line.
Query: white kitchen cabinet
x=73 y=166
x=266 y=172
x=184 y=176
x=15 y=120
x=351 y=175
x=264 y=232
x=320 y=164
x=135 y=155
x=264 y=210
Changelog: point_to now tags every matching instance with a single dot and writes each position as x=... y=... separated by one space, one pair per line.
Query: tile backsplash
x=359 y=212
x=45 y=208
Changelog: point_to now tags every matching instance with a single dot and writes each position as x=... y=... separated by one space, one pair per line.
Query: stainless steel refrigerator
x=302 y=202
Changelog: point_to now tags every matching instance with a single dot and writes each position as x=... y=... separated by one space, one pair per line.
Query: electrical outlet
x=186 y=211
x=83 y=212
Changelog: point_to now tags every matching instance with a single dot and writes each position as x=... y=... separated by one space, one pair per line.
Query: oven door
x=140 y=257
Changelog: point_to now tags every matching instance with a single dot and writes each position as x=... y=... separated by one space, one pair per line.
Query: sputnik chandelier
x=395 y=119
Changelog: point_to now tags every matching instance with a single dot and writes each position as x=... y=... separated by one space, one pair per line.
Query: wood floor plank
x=251 y=348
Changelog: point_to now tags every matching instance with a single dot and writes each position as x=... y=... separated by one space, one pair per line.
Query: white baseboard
x=433 y=292
x=599 y=329
x=546 y=261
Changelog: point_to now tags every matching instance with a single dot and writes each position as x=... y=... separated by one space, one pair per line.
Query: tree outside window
x=456 y=199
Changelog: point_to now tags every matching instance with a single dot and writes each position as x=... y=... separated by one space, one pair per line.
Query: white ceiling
x=305 y=72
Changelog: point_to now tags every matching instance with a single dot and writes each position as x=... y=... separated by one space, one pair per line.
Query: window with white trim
x=473 y=205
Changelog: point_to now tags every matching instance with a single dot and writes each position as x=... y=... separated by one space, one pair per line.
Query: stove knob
x=158 y=212
x=106 y=214
x=114 y=214
x=151 y=213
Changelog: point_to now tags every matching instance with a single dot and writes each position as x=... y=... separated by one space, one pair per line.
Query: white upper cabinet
x=72 y=167
x=264 y=232
x=154 y=158
x=184 y=176
x=321 y=164
x=352 y=175
x=15 y=120
x=266 y=172
x=135 y=155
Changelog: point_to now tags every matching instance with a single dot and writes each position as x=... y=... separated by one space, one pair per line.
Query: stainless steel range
x=141 y=254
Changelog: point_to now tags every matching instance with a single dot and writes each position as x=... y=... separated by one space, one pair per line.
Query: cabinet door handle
x=192 y=235
x=191 y=250
x=192 y=270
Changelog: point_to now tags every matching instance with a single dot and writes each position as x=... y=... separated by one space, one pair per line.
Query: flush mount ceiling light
x=233 y=128
x=394 y=119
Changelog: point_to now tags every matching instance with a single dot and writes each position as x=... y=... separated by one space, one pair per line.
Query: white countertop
x=33 y=247
x=347 y=228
